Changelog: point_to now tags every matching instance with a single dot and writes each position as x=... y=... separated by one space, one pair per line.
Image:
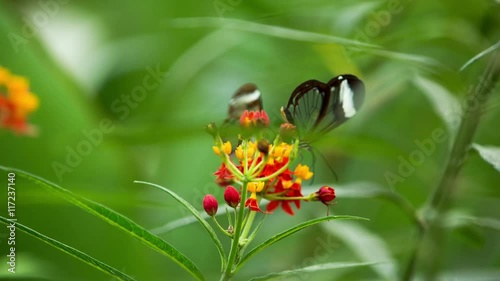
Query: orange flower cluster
x=16 y=103
x=263 y=170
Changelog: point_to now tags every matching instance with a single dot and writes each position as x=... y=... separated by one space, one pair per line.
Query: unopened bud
x=232 y=196
x=325 y=194
x=210 y=204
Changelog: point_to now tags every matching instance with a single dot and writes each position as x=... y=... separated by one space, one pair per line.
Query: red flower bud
x=325 y=194
x=232 y=196
x=254 y=118
x=210 y=204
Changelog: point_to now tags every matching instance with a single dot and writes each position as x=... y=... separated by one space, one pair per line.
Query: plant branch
x=430 y=240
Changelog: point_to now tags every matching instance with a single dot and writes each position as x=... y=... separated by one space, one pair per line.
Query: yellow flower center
x=255 y=186
x=302 y=172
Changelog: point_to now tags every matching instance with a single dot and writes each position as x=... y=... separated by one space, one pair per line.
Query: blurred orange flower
x=16 y=103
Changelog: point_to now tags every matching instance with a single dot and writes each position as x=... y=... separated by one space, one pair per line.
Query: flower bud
x=254 y=119
x=325 y=194
x=211 y=129
x=263 y=146
x=232 y=196
x=210 y=204
x=287 y=131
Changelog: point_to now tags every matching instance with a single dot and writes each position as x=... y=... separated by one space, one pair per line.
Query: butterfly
x=315 y=108
x=247 y=97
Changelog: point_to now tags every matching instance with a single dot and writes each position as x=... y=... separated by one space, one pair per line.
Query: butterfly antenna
x=313 y=163
x=326 y=161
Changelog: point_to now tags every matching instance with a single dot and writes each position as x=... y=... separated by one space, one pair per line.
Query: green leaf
x=313 y=268
x=367 y=245
x=117 y=220
x=457 y=219
x=289 y=232
x=409 y=58
x=444 y=103
x=70 y=251
x=270 y=30
x=490 y=154
x=480 y=55
x=197 y=215
x=469 y=273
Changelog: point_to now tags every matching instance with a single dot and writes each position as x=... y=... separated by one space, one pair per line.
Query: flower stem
x=221 y=228
x=431 y=239
x=227 y=274
x=248 y=225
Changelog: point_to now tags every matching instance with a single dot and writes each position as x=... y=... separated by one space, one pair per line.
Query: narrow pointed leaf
x=480 y=55
x=291 y=231
x=462 y=218
x=313 y=268
x=270 y=30
x=490 y=154
x=71 y=251
x=444 y=103
x=117 y=220
x=197 y=215
x=367 y=245
x=410 y=58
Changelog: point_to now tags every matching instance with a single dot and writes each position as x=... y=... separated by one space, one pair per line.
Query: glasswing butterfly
x=247 y=97
x=316 y=108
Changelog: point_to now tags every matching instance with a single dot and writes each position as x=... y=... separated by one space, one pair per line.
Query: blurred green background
x=84 y=58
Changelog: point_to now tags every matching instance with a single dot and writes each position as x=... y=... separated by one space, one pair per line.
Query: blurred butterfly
x=316 y=108
x=247 y=97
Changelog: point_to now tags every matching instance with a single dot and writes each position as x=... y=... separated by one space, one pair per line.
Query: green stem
x=248 y=226
x=430 y=239
x=228 y=271
x=221 y=228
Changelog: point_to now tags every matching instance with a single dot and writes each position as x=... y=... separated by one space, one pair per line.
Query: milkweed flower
x=263 y=169
x=16 y=103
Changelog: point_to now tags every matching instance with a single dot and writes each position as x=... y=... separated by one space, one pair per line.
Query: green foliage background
x=88 y=54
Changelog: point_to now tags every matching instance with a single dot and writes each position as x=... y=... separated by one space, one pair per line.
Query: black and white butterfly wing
x=347 y=96
x=315 y=108
x=307 y=106
x=246 y=97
